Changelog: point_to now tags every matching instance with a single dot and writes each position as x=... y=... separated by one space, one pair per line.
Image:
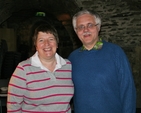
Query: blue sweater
x=103 y=81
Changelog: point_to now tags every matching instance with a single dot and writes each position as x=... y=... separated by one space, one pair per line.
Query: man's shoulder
x=111 y=45
x=74 y=53
x=113 y=48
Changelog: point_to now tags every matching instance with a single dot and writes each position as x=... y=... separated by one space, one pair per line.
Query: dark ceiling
x=24 y=9
x=60 y=9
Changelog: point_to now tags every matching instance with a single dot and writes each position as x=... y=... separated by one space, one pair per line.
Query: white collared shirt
x=35 y=61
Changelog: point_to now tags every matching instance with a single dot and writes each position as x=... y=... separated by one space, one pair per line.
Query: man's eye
x=90 y=25
x=81 y=27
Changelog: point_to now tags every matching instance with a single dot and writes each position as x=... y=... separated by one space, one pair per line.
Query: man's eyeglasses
x=89 y=26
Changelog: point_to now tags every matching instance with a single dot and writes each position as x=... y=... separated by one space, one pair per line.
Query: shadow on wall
x=10 y=61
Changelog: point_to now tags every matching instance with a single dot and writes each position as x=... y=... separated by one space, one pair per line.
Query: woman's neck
x=49 y=64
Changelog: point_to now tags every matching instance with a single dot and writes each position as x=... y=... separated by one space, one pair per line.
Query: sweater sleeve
x=16 y=90
x=127 y=86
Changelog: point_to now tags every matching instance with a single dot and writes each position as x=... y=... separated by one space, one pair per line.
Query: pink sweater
x=34 y=90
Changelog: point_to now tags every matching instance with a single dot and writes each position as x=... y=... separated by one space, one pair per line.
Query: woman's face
x=46 y=45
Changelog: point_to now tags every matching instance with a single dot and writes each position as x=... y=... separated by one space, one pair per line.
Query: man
x=101 y=72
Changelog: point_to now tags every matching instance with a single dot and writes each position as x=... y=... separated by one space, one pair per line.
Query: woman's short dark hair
x=46 y=28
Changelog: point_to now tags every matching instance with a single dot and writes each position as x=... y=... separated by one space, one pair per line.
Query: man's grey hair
x=84 y=11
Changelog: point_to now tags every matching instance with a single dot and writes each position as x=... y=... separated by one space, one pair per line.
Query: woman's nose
x=46 y=42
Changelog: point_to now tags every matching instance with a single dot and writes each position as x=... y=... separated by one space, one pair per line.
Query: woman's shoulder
x=25 y=62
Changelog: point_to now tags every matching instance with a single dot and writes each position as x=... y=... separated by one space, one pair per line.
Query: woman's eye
x=40 y=40
x=51 y=39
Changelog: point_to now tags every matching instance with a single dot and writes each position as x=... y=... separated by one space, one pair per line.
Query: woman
x=42 y=83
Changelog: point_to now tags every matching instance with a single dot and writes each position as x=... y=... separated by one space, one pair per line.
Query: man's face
x=87 y=30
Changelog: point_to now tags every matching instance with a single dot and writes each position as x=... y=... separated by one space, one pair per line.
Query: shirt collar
x=97 y=46
x=35 y=61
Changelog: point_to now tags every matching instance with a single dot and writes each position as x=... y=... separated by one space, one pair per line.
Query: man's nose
x=86 y=28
